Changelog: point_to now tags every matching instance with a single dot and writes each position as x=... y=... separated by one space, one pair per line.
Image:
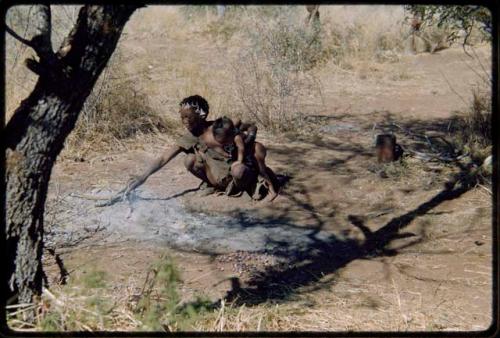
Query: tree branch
x=41 y=41
x=43 y=28
x=18 y=37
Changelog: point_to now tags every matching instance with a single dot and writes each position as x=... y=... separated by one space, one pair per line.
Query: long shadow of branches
x=323 y=253
x=322 y=257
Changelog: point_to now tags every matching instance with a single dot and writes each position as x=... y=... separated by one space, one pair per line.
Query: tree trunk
x=36 y=133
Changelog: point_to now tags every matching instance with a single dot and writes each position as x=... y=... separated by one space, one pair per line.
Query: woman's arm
x=250 y=130
x=160 y=162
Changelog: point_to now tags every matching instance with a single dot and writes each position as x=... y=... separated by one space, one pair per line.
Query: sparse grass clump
x=115 y=111
x=271 y=76
x=94 y=279
x=473 y=127
x=88 y=303
x=160 y=307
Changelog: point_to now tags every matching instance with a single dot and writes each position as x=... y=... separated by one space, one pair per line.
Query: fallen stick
x=426 y=156
x=107 y=201
x=89 y=197
x=120 y=196
x=430 y=156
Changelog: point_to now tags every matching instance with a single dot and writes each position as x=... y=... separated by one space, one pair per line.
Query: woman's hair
x=197 y=103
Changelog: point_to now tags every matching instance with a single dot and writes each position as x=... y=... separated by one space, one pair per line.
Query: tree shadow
x=323 y=254
x=321 y=257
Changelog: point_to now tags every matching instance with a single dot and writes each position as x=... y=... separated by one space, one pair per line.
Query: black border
x=492 y=331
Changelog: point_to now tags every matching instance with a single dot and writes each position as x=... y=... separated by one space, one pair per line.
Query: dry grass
x=97 y=301
x=472 y=128
x=364 y=33
x=91 y=303
x=368 y=308
x=114 y=112
x=271 y=76
x=264 y=65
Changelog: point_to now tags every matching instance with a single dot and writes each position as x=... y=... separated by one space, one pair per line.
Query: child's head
x=193 y=111
x=223 y=130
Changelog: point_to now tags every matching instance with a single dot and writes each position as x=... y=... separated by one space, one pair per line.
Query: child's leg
x=260 y=153
x=273 y=178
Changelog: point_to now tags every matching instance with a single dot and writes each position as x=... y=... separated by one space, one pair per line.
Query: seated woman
x=193 y=112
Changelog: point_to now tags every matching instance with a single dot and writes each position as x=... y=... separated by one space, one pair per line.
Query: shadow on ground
x=325 y=256
x=322 y=256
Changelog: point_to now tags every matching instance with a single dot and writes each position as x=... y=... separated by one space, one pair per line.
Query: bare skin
x=257 y=149
x=194 y=124
x=260 y=152
x=236 y=168
x=198 y=127
x=249 y=130
x=202 y=171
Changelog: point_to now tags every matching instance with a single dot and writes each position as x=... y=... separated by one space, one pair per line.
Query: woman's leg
x=195 y=165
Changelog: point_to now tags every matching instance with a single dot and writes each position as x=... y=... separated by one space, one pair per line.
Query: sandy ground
x=389 y=253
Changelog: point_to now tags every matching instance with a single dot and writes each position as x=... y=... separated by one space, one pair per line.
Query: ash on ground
x=164 y=221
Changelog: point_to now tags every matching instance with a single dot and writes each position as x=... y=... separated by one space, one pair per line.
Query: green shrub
x=160 y=308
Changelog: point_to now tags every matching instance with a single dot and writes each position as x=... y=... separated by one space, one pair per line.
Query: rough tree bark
x=35 y=134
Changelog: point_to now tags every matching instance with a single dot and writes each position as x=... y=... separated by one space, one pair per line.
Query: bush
x=473 y=128
x=460 y=21
x=160 y=306
x=271 y=75
x=115 y=111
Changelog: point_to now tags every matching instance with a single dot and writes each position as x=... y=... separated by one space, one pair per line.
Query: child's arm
x=260 y=156
x=250 y=130
x=240 y=146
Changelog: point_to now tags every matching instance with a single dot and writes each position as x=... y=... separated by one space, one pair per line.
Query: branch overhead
x=41 y=41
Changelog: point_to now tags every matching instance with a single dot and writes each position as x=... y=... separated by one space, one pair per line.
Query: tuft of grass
x=472 y=128
x=116 y=111
x=222 y=29
x=94 y=279
x=160 y=307
x=401 y=75
x=51 y=322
